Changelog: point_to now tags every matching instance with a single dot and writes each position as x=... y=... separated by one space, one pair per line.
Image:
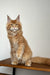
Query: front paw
x=14 y=63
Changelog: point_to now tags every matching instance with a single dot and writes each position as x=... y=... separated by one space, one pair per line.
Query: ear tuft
x=8 y=19
x=18 y=18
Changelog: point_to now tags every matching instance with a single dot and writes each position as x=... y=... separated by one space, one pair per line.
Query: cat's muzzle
x=14 y=29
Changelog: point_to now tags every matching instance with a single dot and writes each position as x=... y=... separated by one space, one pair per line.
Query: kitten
x=20 y=50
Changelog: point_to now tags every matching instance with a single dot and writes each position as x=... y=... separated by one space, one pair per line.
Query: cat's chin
x=14 y=34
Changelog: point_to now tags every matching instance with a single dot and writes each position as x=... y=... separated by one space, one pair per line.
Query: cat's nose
x=13 y=26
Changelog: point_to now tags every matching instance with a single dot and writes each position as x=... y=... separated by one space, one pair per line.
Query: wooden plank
x=4 y=74
x=39 y=67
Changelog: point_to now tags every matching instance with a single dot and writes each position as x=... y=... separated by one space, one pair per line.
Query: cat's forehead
x=14 y=21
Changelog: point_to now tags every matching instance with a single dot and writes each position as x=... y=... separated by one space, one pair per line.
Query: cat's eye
x=16 y=24
x=11 y=24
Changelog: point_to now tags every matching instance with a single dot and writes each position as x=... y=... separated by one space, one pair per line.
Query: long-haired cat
x=20 y=50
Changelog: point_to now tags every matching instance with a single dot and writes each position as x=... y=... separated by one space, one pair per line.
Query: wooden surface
x=3 y=74
x=39 y=67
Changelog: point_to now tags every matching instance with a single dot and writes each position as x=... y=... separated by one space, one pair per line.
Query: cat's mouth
x=14 y=30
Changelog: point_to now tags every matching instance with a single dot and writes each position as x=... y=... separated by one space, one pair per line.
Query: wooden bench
x=39 y=67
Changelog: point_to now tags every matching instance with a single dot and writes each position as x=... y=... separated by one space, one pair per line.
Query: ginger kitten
x=20 y=50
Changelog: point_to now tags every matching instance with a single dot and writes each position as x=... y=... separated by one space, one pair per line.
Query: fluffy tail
x=40 y=60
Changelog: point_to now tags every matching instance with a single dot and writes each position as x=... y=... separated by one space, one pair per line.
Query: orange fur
x=41 y=60
x=20 y=50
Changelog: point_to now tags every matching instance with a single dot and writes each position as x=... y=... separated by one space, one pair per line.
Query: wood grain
x=4 y=74
x=39 y=67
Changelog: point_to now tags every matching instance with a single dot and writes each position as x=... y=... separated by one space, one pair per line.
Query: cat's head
x=14 y=26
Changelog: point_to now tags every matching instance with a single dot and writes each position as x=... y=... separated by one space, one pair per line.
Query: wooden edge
x=4 y=74
x=28 y=68
x=7 y=63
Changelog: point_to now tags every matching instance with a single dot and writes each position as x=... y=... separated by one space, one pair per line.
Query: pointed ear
x=18 y=18
x=8 y=19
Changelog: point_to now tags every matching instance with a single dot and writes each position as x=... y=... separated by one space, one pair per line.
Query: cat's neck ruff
x=15 y=35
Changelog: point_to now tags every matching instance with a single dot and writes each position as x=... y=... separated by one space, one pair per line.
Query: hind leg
x=26 y=60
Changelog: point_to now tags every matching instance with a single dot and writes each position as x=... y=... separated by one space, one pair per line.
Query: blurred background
x=35 y=19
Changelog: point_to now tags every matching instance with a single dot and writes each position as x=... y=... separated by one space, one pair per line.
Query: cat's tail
x=40 y=60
